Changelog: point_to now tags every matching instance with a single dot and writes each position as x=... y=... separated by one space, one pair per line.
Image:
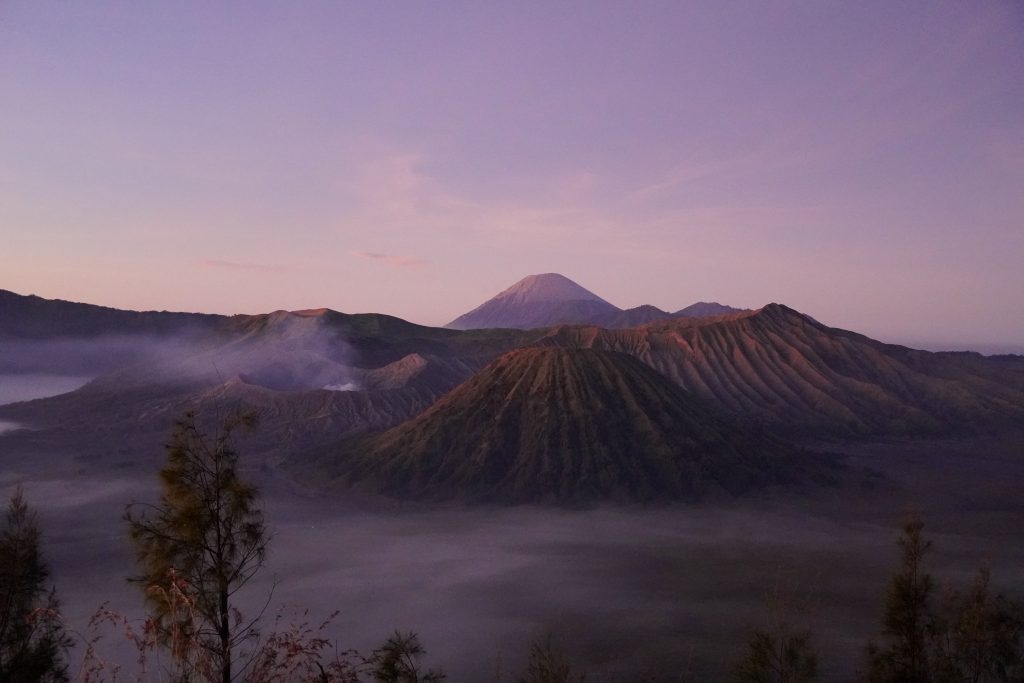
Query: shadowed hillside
x=34 y=317
x=566 y=425
x=54 y=336
x=314 y=376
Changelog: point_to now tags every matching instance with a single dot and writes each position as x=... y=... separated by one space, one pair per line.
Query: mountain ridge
x=31 y=316
x=773 y=366
x=566 y=425
x=782 y=367
x=552 y=299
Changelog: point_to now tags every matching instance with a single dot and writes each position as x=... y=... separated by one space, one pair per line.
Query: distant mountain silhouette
x=536 y=301
x=703 y=309
x=641 y=315
x=631 y=317
x=553 y=299
x=55 y=336
x=33 y=317
x=568 y=425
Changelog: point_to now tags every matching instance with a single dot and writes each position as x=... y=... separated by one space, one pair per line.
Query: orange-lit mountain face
x=781 y=367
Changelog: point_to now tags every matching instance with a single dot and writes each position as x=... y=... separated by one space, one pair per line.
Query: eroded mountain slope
x=565 y=425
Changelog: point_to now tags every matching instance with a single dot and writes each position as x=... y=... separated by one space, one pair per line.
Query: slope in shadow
x=567 y=425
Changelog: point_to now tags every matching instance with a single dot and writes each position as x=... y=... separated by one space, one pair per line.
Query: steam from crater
x=347 y=386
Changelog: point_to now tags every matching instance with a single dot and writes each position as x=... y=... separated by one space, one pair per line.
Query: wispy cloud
x=394 y=260
x=238 y=265
x=392 y=191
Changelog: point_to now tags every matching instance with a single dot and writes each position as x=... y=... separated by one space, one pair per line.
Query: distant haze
x=860 y=162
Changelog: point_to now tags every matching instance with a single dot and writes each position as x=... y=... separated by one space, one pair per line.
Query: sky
x=862 y=162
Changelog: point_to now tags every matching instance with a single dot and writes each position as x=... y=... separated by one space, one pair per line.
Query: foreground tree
x=903 y=657
x=548 y=664
x=978 y=636
x=784 y=657
x=32 y=638
x=781 y=651
x=398 y=661
x=206 y=539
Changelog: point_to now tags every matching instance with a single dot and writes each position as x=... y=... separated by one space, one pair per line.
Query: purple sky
x=860 y=161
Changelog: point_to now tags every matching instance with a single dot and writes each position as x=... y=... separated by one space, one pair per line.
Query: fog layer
x=624 y=589
x=32 y=386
